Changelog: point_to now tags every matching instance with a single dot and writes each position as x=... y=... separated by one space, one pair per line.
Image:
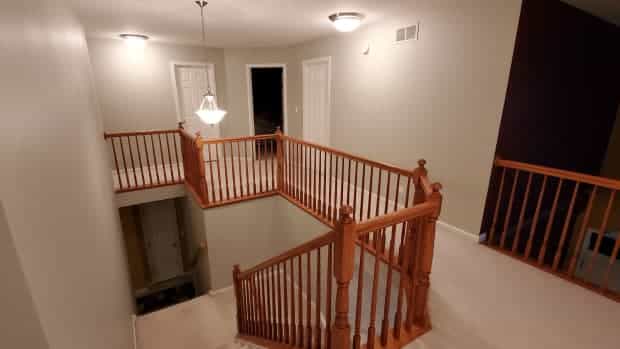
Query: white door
x=317 y=100
x=161 y=236
x=191 y=85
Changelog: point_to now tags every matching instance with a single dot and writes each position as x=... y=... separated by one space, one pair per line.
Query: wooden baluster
x=515 y=243
x=528 y=248
x=612 y=260
x=279 y=302
x=341 y=183
x=308 y=188
x=412 y=264
x=497 y=204
x=300 y=325
x=286 y=318
x=201 y=170
x=349 y=184
x=328 y=297
x=263 y=301
x=252 y=305
x=335 y=180
x=376 y=234
x=308 y=302
x=509 y=211
x=601 y=234
x=325 y=200
x=133 y=165
x=543 y=249
x=120 y=139
x=176 y=153
x=241 y=190
x=170 y=157
x=358 y=302
x=265 y=162
x=317 y=341
x=343 y=272
x=372 y=168
x=313 y=175
x=259 y=158
x=328 y=197
x=275 y=305
x=148 y=162
x=373 y=299
x=118 y=170
x=361 y=213
x=237 y=286
x=403 y=232
x=163 y=159
x=383 y=233
x=425 y=261
x=140 y=162
x=247 y=167
x=211 y=178
x=355 y=188
x=155 y=159
x=232 y=170
x=388 y=289
x=293 y=319
x=569 y=214
x=297 y=171
x=274 y=157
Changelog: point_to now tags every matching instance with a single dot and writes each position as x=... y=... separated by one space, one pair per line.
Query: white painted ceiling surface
x=230 y=23
x=252 y=23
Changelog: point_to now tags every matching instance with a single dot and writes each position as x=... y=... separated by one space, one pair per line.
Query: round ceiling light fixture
x=134 y=40
x=346 y=21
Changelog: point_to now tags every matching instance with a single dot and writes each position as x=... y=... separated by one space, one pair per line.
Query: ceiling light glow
x=134 y=40
x=346 y=21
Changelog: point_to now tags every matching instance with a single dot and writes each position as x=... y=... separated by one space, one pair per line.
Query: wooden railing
x=144 y=160
x=301 y=299
x=563 y=222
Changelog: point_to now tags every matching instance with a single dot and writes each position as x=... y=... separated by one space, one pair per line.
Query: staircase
x=363 y=284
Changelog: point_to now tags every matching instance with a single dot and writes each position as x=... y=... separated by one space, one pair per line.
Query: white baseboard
x=453 y=229
x=220 y=291
x=133 y=330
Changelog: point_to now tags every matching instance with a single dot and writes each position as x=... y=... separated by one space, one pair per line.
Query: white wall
x=135 y=87
x=54 y=184
x=439 y=98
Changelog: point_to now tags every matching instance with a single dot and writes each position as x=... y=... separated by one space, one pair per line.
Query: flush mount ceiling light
x=346 y=21
x=208 y=111
x=134 y=40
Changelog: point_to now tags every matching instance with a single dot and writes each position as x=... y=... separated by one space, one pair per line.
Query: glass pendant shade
x=209 y=112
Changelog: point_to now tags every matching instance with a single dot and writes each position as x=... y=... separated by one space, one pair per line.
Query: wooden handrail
x=399 y=216
x=297 y=251
x=107 y=135
x=553 y=172
x=377 y=164
x=238 y=139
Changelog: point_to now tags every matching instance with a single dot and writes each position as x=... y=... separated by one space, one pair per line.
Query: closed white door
x=317 y=100
x=192 y=84
x=161 y=236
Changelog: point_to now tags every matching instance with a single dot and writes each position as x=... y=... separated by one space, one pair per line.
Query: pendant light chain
x=203 y=4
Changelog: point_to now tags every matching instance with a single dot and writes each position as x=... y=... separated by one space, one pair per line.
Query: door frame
x=248 y=74
x=304 y=64
x=173 y=79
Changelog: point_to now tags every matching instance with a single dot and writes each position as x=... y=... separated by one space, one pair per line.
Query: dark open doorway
x=267 y=99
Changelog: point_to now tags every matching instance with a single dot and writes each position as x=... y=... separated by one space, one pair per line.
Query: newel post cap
x=346 y=214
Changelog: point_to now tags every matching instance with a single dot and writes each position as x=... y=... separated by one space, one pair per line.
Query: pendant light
x=208 y=111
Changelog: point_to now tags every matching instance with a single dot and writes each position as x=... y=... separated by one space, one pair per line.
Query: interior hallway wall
x=135 y=86
x=55 y=187
x=439 y=98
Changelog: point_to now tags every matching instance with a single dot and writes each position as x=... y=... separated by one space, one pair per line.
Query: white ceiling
x=252 y=23
x=230 y=23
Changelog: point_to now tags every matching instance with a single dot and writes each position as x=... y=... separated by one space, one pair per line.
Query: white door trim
x=248 y=74
x=173 y=79
x=304 y=63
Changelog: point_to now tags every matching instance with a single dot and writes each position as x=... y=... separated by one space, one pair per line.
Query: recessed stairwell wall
x=244 y=233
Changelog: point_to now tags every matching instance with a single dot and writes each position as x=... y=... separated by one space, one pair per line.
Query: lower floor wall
x=245 y=233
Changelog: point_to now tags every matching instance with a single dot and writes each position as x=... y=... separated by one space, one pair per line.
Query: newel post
x=280 y=158
x=424 y=262
x=202 y=180
x=344 y=255
x=237 y=287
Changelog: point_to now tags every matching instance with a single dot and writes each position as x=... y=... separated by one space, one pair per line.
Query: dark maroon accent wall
x=563 y=91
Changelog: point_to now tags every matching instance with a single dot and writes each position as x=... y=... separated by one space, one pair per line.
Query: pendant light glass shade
x=209 y=112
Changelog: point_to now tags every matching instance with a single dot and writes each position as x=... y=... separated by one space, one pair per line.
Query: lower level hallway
x=480 y=299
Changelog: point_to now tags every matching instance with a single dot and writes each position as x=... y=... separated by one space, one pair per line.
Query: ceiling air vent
x=411 y=32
